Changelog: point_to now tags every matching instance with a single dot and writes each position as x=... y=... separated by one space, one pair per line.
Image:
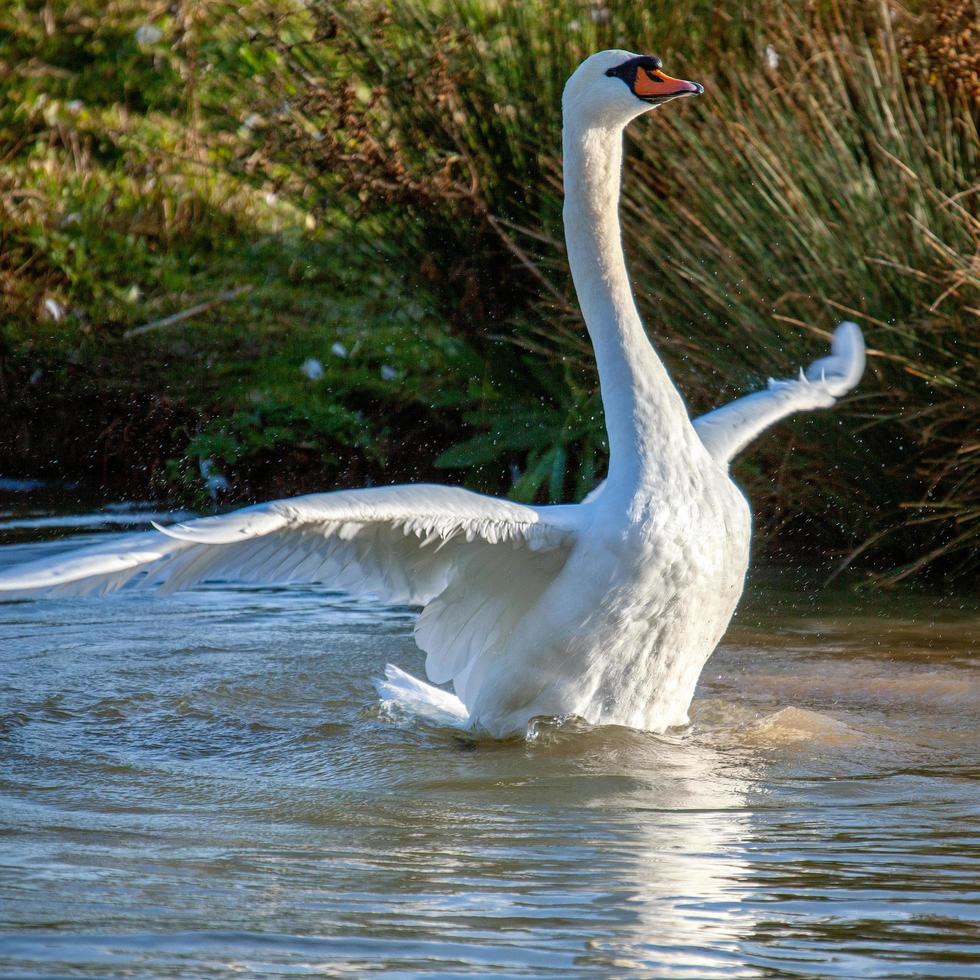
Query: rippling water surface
x=203 y=785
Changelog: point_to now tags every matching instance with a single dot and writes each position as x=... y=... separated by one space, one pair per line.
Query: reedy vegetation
x=830 y=170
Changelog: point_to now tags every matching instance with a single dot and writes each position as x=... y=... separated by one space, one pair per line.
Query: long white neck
x=646 y=420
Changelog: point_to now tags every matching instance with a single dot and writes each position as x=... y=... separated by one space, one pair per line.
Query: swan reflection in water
x=681 y=840
x=628 y=848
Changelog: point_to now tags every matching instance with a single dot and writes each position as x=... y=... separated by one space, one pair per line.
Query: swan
x=606 y=610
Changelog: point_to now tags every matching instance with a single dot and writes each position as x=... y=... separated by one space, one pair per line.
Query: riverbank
x=291 y=380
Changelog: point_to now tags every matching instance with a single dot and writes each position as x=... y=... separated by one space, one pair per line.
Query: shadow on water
x=204 y=785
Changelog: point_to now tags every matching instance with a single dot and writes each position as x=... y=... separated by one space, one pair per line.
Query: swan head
x=615 y=86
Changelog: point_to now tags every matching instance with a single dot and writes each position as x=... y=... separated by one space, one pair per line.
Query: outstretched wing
x=403 y=543
x=728 y=429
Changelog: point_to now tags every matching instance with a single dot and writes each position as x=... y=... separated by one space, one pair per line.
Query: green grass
x=126 y=197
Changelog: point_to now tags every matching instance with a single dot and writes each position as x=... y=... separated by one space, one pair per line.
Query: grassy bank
x=378 y=193
x=126 y=202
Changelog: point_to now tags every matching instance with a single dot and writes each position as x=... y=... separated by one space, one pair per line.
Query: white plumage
x=607 y=609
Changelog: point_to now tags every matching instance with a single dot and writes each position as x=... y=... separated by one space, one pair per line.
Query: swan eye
x=643 y=67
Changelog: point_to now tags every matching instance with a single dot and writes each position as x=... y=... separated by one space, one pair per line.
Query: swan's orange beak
x=646 y=80
x=651 y=84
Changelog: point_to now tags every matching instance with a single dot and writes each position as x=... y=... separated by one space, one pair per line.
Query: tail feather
x=422 y=699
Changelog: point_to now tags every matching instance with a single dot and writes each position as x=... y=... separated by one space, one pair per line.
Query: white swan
x=608 y=609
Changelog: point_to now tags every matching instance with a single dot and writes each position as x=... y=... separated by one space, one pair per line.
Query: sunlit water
x=204 y=785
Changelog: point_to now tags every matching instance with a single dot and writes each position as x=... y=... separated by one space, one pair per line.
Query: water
x=204 y=785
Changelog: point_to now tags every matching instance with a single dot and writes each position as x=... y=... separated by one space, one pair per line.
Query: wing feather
x=728 y=429
x=477 y=564
x=399 y=542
